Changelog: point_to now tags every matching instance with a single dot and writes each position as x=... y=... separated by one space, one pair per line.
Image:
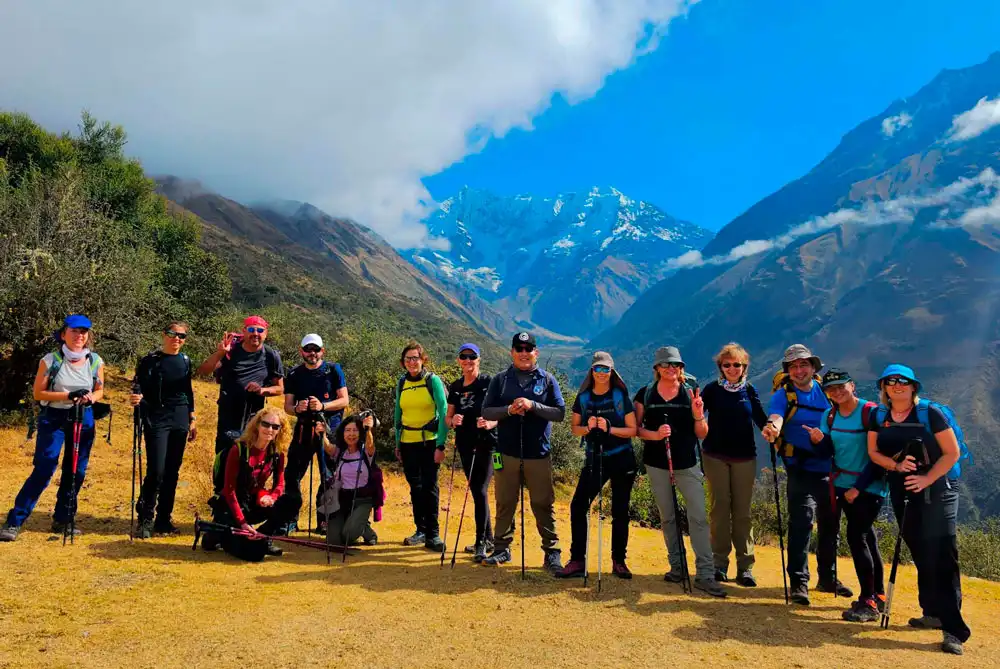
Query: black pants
x=930 y=534
x=233 y=417
x=808 y=504
x=422 y=474
x=300 y=454
x=252 y=550
x=479 y=478
x=166 y=432
x=861 y=515
x=620 y=469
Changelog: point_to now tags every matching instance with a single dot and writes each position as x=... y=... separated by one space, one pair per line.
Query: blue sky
x=741 y=97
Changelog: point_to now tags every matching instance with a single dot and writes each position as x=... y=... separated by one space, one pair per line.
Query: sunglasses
x=468 y=356
x=254 y=330
x=601 y=369
x=524 y=349
x=270 y=426
x=898 y=380
x=176 y=335
x=311 y=349
x=737 y=365
x=412 y=358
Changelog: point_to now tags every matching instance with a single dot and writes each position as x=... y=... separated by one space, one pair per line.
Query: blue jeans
x=54 y=426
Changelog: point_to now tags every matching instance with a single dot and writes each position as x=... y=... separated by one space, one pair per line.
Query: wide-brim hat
x=896 y=369
x=800 y=352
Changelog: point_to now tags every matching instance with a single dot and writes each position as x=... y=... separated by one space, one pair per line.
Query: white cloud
x=893 y=123
x=976 y=121
x=962 y=195
x=344 y=104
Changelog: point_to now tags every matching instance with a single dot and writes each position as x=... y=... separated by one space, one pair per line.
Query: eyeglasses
x=253 y=330
x=524 y=349
x=176 y=335
x=270 y=426
x=727 y=365
x=311 y=349
x=601 y=369
x=898 y=380
x=412 y=358
x=468 y=356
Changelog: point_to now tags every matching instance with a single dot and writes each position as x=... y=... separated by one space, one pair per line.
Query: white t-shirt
x=70 y=377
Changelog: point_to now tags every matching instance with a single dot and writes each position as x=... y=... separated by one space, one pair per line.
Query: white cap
x=311 y=339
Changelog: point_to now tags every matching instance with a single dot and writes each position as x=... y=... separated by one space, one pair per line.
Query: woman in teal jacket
x=421 y=430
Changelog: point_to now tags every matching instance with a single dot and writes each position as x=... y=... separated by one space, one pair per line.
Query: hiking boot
x=210 y=541
x=435 y=544
x=553 y=562
x=273 y=550
x=710 y=586
x=721 y=576
x=497 y=558
x=951 y=644
x=482 y=550
x=369 y=537
x=861 y=612
x=673 y=576
x=61 y=528
x=800 y=594
x=145 y=529
x=621 y=570
x=926 y=623
x=573 y=569
x=415 y=539
x=165 y=527
x=836 y=586
x=9 y=533
x=746 y=579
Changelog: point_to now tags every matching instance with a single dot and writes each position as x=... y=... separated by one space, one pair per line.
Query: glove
x=77 y=394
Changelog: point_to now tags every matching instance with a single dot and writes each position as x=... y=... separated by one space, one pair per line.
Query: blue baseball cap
x=77 y=321
x=470 y=347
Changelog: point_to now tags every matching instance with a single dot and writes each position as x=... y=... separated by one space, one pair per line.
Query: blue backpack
x=923 y=415
x=618 y=399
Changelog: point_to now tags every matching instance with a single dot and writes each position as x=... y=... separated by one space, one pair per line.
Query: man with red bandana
x=247 y=372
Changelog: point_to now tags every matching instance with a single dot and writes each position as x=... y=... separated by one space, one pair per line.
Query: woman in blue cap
x=69 y=381
x=918 y=450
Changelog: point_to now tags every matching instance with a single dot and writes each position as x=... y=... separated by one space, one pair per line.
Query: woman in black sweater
x=729 y=456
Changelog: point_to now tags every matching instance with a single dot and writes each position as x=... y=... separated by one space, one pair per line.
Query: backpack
x=219 y=472
x=782 y=381
x=690 y=385
x=618 y=396
x=270 y=361
x=157 y=365
x=427 y=376
x=866 y=416
x=923 y=415
x=100 y=409
x=93 y=360
x=541 y=383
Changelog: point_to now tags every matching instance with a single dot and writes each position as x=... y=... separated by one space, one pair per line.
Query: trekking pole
x=521 y=442
x=781 y=525
x=354 y=498
x=461 y=519
x=590 y=474
x=136 y=440
x=312 y=454
x=447 y=509
x=884 y=618
x=71 y=502
x=600 y=506
x=685 y=576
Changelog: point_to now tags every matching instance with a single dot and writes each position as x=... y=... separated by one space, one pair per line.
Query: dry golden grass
x=106 y=602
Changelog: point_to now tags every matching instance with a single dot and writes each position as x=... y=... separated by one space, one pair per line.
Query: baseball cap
x=255 y=320
x=313 y=338
x=77 y=321
x=602 y=358
x=835 y=377
x=523 y=339
x=470 y=347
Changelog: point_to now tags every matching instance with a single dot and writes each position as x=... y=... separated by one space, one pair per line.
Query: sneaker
x=415 y=539
x=471 y=548
x=673 y=576
x=926 y=623
x=800 y=594
x=60 y=528
x=746 y=579
x=951 y=644
x=435 y=544
x=880 y=602
x=165 y=527
x=553 y=562
x=573 y=569
x=621 y=570
x=861 y=612
x=369 y=537
x=482 y=550
x=497 y=558
x=710 y=586
x=837 y=587
x=721 y=576
x=145 y=529
x=9 y=533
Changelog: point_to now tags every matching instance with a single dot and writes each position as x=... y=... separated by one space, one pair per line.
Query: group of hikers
x=841 y=456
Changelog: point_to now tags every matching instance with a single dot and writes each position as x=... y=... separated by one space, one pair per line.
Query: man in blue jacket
x=524 y=400
x=808 y=473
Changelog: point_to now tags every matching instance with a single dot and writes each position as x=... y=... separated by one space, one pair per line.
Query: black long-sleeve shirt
x=165 y=381
x=731 y=420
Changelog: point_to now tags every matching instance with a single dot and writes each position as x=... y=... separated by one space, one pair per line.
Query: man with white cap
x=315 y=392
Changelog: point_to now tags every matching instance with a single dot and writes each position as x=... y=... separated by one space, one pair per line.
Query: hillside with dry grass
x=106 y=602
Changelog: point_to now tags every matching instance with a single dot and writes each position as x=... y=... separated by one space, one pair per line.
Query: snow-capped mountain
x=568 y=265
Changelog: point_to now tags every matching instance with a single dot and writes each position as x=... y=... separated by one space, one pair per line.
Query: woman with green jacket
x=421 y=430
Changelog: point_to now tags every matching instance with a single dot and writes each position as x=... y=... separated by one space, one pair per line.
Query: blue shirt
x=812 y=405
x=850 y=448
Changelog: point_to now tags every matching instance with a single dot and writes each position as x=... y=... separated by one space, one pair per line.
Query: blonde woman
x=730 y=459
